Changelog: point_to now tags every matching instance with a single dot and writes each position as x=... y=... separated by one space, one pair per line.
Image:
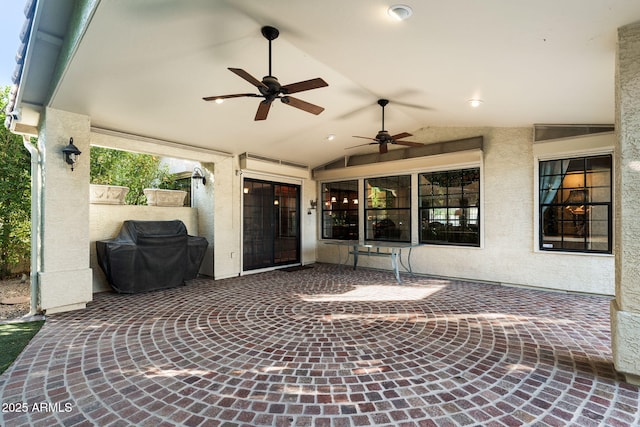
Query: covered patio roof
x=143 y=67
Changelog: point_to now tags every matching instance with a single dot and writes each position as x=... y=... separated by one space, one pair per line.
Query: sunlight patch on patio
x=368 y=293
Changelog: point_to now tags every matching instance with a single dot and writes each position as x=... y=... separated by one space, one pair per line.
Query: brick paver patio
x=324 y=347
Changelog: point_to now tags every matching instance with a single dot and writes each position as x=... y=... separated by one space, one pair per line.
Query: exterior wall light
x=312 y=205
x=71 y=153
x=198 y=175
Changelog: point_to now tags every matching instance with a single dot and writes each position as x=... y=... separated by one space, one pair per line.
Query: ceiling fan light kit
x=270 y=89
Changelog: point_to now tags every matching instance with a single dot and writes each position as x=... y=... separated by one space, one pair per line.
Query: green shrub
x=15 y=199
x=134 y=170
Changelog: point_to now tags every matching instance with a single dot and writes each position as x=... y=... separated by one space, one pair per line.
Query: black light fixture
x=312 y=205
x=198 y=175
x=71 y=153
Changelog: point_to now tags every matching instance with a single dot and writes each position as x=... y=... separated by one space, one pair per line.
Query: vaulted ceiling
x=143 y=66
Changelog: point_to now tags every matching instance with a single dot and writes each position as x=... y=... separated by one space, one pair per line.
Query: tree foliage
x=15 y=198
x=134 y=170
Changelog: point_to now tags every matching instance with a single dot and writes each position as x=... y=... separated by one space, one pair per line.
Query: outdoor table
x=374 y=249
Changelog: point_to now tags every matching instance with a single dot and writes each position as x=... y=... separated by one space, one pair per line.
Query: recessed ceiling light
x=400 y=12
x=475 y=103
x=331 y=137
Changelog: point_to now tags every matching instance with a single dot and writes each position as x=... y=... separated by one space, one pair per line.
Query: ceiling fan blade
x=237 y=95
x=248 y=77
x=263 y=110
x=305 y=85
x=408 y=143
x=401 y=135
x=303 y=105
x=419 y=107
x=366 y=137
x=352 y=113
x=361 y=145
x=383 y=148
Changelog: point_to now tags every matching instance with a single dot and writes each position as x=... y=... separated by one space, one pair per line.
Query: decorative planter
x=107 y=194
x=158 y=197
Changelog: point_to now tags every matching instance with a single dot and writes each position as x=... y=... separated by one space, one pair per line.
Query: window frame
x=352 y=211
x=541 y=246
x=385 y=229
x=448 y=206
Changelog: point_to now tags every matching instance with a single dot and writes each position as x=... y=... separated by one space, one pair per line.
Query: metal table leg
x=346 y=260
x=355 y=256
x=395 y=254
x=408 y=266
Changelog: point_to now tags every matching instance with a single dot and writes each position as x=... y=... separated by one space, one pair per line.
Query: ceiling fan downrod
x=383 y=103
x=270 y=33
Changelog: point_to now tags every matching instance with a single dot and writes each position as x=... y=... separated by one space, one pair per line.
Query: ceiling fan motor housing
x=383 y=136
x=272 y=89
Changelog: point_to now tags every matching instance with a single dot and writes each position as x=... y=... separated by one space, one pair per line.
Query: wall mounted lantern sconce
x=198 y=175
x=312 y=205
x=71 y=153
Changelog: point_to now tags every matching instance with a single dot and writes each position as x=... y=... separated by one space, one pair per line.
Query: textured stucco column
x=625 y=309
x=65 y=279
x=227 y=219
x=203 y=198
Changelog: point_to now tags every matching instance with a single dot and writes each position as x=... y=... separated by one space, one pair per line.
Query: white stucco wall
x=64 y=276
x=625 y=308
x=508 y=252
x=203 y=199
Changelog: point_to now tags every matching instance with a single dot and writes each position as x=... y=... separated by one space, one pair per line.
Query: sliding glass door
x=271 y=224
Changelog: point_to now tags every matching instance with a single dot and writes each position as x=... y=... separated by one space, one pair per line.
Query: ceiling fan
x=270 y=89
x=383 y=138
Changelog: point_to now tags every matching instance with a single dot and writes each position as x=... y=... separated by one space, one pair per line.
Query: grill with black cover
x=150 y=255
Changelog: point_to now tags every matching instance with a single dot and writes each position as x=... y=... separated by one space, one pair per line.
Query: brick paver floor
x=324 y=346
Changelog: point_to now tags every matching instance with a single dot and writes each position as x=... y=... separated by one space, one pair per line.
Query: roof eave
x=41 y=59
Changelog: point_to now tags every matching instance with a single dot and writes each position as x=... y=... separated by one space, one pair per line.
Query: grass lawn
x=13 y=339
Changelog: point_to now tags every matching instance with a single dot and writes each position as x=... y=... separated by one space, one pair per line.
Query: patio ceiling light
x=400 y=12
